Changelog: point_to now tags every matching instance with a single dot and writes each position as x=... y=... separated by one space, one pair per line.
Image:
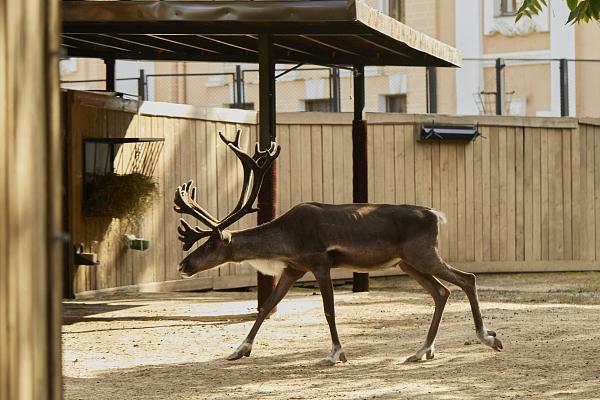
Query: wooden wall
x=523 y=199
x=30 y=202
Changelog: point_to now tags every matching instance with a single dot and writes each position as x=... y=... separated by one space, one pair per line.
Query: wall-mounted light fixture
x=433 y=131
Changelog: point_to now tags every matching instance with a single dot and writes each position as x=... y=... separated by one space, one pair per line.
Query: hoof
x=242 y=351
x=428 y=352
x=333 y=358
x=497 y=345
x=326 y=362
x=236 y=356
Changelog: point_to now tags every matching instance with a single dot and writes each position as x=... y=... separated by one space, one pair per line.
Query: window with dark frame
x=319 y=105
x=395 y=103
x=508 y=7
x=396 y=9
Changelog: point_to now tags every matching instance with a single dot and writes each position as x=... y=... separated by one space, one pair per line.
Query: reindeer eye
x=210 y=246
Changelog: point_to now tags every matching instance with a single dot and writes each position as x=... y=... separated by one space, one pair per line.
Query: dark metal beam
x=500 y=87
x=110 y=74
x=564 y=88
x=360 y=188
x=267 y=197
x=432 y=100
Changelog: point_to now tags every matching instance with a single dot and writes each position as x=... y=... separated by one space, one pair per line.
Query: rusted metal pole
x=360 y=188
x=267 y=197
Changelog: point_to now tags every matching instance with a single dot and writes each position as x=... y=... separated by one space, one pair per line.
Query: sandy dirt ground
x=173 y=346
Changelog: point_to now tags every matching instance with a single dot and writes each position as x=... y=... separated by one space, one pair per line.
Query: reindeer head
x=214 y=251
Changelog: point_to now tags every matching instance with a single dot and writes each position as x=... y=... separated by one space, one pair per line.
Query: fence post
x=267 y=197
x=334 y=90
x=110 y=74
x=142 y=85
x=500 y=87
x=432 y=100
x=564 y=88
x=237 y=91
x=360 y=188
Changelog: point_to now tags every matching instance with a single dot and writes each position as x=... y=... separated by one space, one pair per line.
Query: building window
x=396 y=9
x=395 y=103
x=320 y=105
x=244 y=106
x=507 y=7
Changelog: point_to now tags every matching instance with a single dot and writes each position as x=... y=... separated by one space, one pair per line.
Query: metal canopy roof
x=335 y=32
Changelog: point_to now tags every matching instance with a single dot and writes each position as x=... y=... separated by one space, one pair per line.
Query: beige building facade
x=484 y=30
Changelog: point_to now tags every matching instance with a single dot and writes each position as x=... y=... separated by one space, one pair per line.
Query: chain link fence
x=540 y=87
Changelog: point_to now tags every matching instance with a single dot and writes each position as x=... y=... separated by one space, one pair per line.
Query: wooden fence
x=525 y=198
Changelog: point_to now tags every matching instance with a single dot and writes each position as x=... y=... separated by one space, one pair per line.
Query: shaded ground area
x=172 y=346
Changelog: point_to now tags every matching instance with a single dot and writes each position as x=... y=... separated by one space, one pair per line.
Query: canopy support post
x=267 y=197
x=360 y=188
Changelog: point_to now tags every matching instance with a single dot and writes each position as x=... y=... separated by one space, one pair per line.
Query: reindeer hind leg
x=433 y=264
x=440 y=294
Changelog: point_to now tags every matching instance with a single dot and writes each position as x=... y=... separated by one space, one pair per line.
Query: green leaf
x=518 y=17
x=574 y=15
x=527 y=13
x=595 y=8
x=572 y=4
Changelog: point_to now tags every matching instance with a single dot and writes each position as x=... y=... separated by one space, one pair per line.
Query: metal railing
x=542 y=87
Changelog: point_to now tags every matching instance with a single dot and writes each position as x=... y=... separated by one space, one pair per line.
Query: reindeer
x=319 y=237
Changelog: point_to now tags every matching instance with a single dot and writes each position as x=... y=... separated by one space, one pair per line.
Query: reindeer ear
x=225 y=237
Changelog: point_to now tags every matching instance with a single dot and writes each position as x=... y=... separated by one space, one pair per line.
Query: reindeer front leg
x=323 y=277
x=286 y=280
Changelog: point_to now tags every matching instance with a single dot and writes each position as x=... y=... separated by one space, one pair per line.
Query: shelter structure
x=342 y=33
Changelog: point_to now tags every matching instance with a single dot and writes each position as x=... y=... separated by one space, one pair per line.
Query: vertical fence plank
x=537 y=195
x=423 y=178
x=389 y=179
x=461 y=203
x=519 y=196
x=346 y=148
x=469 y=203
x=511 y=195
x=556 y=176
x=588 y=195
x=567 y=195
x=399 y=157
x=409 y=163
x=295 y=165
x=453 y=202
x=445 y=206
x=528 y=197
x=487 y=177
x=284 y=180
x=305 y=151
x=370 y=162
x=478 y=195
x=503 y=194
x=328 y=151
x=544 y=194
x=378 y=164
x=317 y=163
x=577 y=221
x=338 y=165
x=495 y=192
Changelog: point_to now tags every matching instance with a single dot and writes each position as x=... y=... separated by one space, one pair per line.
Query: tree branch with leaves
x=581 y=10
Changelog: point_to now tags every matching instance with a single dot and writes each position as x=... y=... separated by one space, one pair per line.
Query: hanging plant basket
x=118 y=196
x=118 y=180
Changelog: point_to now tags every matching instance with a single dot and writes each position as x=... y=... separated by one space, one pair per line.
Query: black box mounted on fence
x=462 y=133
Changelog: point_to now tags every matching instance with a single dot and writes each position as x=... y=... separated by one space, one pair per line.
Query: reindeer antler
x=185 y=201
